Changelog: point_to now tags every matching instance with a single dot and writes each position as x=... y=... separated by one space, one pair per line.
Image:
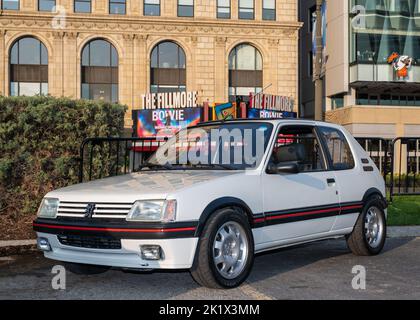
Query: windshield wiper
x=213 y=165
x=155 y=166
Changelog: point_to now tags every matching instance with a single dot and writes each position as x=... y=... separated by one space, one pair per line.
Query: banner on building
x=224 y=111
x=164 y=123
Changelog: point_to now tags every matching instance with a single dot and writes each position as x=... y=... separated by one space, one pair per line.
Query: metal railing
x=380 y=151
x=405 y=172
x=105 y=157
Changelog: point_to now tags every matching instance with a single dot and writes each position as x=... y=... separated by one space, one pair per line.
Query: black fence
x=105 y=157
x=405 y=172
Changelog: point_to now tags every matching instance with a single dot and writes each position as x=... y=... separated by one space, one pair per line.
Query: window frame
x=2 y=5
x=17 y=43
x=316 y=133
x=275 y=11
x=327 y=151
x=110 y=2
x=183 y=16
x=239 y=11
x=148 y=15
x=82 y=12
x=217 y=10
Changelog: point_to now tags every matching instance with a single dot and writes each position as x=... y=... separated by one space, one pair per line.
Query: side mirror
x=290 y=168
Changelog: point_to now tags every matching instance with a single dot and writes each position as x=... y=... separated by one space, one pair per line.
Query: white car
x=215 y=195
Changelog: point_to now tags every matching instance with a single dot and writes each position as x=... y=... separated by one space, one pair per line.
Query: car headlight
x=153 y=210
x=48 y=208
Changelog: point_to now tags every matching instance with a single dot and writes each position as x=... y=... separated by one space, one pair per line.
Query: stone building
x=118 y=50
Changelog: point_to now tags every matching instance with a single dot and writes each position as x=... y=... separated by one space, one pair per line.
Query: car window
x=300 y=145
x=338 y=148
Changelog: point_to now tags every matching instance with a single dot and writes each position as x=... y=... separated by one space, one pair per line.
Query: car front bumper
x=178 y=243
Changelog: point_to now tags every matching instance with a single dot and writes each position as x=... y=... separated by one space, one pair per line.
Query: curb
x=403 y=232
x=13 y=247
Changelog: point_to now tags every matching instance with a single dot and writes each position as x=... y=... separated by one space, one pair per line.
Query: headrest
x=290 y=153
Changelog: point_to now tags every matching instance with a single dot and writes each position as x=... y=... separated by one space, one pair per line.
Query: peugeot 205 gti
x=216 y=194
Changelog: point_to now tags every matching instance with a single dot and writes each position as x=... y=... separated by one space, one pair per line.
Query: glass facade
x=167 y=68
x=100 y=71
x=28 y=68
x=383 y=27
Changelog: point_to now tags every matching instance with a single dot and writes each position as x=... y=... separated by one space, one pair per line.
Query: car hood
x=136 y=186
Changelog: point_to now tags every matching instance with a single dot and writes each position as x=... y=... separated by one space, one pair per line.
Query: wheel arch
x=375 y=192
x=221 y=203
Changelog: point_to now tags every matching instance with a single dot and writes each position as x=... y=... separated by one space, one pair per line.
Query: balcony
x=381 y=73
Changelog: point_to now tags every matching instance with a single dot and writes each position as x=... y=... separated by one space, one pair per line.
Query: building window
x=185 y=8
x=312 y=19
x=269 y=10
x=167 y=68
x=337 y=101
x=246 y=9
x=245 y=72
x=10 y=4
x=46 y=5
x=310 y=63
x=117 y=6
x=82 y=6
x=151 y=8
x=223 y=9
x=100 y=71
x=28 y=68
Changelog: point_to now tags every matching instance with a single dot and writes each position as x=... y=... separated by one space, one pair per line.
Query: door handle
x=331 y=181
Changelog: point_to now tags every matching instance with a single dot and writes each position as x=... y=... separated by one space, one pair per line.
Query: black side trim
x=117 y=230
x=365 y=161
x=368 y=168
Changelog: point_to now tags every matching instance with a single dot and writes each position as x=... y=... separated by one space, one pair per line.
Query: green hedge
x=39 y=145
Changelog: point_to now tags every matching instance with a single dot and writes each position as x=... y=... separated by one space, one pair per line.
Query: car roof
x=274 y=121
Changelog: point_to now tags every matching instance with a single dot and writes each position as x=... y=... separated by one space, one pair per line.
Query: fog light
x=149 y=252
x=43 y=244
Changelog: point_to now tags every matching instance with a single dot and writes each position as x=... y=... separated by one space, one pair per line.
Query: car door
x=350 y=180
x=298 y=205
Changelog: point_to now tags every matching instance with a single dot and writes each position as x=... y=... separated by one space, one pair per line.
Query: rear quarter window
x=338 y=148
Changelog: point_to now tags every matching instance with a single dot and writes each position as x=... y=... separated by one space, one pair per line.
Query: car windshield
x=226 y=146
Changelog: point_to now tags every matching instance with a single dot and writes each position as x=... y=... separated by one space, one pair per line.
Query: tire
x=85 y=269
x=360 y=241
x=205 y=269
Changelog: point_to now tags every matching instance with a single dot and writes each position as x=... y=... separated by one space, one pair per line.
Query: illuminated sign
x=271 y=102
x=170 y=100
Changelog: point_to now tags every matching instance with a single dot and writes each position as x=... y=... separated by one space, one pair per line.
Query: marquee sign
x=170 y=100
x=271 y=102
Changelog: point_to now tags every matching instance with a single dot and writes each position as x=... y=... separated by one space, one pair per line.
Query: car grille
x=102 y=210
x=90 y=242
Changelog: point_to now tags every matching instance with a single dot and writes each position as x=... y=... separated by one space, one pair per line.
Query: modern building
x=119 y=50
x=372 y=78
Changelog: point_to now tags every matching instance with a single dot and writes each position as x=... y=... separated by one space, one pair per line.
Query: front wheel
x=225 y=252
x=369 y=233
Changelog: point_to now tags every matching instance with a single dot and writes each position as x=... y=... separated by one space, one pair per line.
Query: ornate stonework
x=206 y=40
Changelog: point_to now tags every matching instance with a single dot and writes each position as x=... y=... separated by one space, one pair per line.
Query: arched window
x=167 y=68
x=100 y=71
x=245 y=72
x=28 y=67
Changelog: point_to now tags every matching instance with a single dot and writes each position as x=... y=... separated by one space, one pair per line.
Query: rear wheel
x=369 y=234
x=225 y=252
x=85 y=269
